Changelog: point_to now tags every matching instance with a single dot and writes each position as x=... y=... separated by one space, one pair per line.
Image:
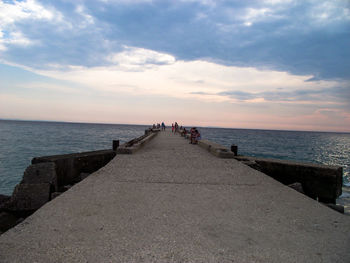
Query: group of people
x=158 y=126
x=175 y=128
x=195 y=135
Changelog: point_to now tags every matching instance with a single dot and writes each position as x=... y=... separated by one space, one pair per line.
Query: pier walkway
x=175 y=202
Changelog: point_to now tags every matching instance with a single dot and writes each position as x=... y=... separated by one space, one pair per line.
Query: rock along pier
x=172 y=201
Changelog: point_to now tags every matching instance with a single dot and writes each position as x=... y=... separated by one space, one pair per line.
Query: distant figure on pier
x=195 y=136
x=192 y=133
x=154 y=126
x=172 y=127
x=176 y=127
x=163 y=126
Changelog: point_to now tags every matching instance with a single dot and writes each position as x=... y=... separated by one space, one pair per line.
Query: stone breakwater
x=176 y=202
x=319 y=182
x=49 y=176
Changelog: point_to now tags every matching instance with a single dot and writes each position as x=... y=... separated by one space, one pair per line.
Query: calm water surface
x=312 y=147
x=20 y=141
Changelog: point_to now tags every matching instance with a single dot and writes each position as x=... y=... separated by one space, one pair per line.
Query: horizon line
x=209 y=127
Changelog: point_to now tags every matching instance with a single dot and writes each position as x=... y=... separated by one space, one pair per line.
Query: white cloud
x=87 y=18
x=17 y=38
x=210 y=91
x=249 y=16
x=132 y=2
x=200 y=80
x=255 y=15
x=317 y=13
x=14 y=38
x=325 y=12
x=139 y=58
x=2 y=44
x=20 y=11
x=211 y=3
x=277 y=2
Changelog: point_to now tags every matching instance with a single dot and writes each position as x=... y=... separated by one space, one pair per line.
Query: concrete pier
x=175 y=202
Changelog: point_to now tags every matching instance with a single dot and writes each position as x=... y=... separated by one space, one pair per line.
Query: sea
x=20 y=141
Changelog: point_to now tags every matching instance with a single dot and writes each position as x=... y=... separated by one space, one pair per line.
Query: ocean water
x=20 y=141
x=310 y=147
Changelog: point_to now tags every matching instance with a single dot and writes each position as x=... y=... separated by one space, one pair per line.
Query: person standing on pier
x=172 y=127
x=195 y=136
x=192 y=134
x=176 y=127
x=163 y=126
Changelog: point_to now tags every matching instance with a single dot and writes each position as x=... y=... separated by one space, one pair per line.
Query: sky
x=264 y=64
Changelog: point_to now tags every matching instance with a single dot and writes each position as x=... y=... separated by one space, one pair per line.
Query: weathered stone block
x=338 y=208
x=223 y=153
x=66 y=187
x=7 y=221
x=297 y=187
x=4 y=199
x=55 y=194
x=115 y=145
x=134 y=145
x=252 y=164
x=84 y=176
x=322 y=182
x=4 y=202
x=234 y=149
x=41 y=173
x=215 y=149
x=69 y=166
x=29 y=197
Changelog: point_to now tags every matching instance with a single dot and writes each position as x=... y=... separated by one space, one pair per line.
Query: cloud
x=240 y=95
x=23 y=10
x=319 y=95
x=126 y=2
x=292 y=36
x=14 y=38
x=14 y=15
x=142 y=71
x=132 y=58
x=87 y=18
x=329 y=12
x=217 y=95
x=200 y=93
x=210 y=3
x=253 y=15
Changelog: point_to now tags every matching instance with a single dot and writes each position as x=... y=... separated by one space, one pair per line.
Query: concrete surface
x=175 y=202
